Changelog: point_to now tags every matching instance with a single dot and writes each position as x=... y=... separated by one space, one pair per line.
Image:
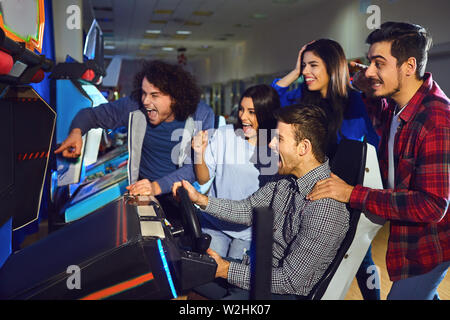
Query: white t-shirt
x=394 y=126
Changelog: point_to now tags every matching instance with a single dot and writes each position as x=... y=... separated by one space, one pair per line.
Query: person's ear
x=304 y=147
x=410 y=66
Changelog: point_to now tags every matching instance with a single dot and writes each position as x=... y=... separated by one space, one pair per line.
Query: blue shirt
x=356 y=124
x=156 y=157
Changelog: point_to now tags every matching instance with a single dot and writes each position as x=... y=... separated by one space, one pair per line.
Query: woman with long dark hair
x=326 y=82
x=233 y=157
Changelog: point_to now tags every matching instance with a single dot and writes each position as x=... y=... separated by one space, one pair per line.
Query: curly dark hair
x=172 y=80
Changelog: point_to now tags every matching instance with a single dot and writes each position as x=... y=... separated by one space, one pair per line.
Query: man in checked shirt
x=306 y=234
x=412 y=116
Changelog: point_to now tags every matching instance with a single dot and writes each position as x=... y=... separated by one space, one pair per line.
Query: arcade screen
x=70 y=100
x=93 y=47
x=95 y=135
x=23 y=21
x=100 y=184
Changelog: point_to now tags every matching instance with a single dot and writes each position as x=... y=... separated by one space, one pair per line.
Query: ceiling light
x=202 y=13
x=153 y=31
x=259 y=16
x=110 y=47
x=192 y=23
x=167 y=49
x=183 y=32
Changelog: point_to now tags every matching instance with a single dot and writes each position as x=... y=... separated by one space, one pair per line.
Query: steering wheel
x=199 y=241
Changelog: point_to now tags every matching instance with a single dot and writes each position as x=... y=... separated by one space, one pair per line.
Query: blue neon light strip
x=166 y=268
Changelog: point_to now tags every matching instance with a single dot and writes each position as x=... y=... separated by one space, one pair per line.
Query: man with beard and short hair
x=412 y=115
x=306 y=234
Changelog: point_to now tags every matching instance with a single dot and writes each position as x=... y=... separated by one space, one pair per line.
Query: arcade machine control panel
x=124 y=250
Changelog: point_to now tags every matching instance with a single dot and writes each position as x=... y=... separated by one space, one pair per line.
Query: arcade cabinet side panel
x=6 y=179
x=33 y=128
x=6 y=161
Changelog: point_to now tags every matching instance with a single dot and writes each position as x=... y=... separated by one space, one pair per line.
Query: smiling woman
x=324 y=67
x=232 y=156
x=315 y=73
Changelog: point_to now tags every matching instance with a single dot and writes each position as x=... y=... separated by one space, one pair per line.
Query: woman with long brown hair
x=326 y=82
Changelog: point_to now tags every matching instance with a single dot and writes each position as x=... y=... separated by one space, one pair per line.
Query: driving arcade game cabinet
x=124 y=250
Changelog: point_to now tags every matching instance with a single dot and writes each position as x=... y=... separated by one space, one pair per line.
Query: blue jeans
x=222 y=243
x=421 y=287
x=368 y=272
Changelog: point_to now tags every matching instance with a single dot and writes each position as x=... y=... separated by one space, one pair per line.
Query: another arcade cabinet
x=27 y=121
x=84 y=184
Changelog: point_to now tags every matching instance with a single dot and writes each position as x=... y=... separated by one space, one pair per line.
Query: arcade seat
x=349 y=164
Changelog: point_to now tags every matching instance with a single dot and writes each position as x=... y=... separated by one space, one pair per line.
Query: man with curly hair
x=165 y=100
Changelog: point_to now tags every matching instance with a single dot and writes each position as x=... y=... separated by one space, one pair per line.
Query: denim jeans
x=366 y=272
x=223 y=244
x=421 y=287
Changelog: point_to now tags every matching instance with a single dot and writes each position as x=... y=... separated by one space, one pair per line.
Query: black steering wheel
x=199 y=241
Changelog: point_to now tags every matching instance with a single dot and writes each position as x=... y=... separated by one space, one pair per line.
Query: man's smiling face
x=385 y=76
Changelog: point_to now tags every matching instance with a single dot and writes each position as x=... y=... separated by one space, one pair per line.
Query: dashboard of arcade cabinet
x=189 y=269
x=151 y=216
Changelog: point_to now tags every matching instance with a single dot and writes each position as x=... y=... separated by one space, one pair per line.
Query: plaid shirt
x=416 y=208
x=306 y=234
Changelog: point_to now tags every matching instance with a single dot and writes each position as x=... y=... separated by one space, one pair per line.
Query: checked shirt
x=417 y=206
x=306 y=234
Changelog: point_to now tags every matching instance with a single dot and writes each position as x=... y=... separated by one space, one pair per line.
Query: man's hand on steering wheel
x=195 y=196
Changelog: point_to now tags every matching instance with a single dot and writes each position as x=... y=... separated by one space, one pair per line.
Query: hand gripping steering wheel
x=199 y=241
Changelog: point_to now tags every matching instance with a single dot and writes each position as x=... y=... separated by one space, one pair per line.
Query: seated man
x=306 y=234
x=165 y=101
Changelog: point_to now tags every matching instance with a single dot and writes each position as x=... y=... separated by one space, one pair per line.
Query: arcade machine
x=27 y=120
x=88 y=183
x=122 y=251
